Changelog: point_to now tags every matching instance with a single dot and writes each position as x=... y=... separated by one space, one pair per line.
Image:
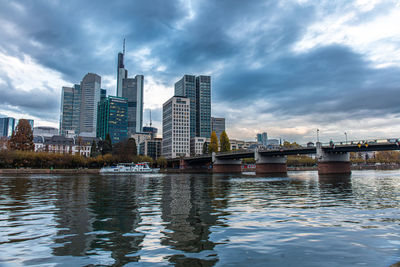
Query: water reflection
x=201 y=220
x=187 y=209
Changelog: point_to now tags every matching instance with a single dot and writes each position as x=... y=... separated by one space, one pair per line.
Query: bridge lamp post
x=345 y=134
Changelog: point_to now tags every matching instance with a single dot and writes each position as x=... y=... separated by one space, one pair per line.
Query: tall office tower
x=103 y=94
x=76 y=114
x=67 y=109
x=176 y=127
x=262 y=138
x=7 y=126
x=112 y=118
x=132 y=89
x=217 y=125
x=203 y=106
x=122 y=73
x=187 y=87
x=90 y=97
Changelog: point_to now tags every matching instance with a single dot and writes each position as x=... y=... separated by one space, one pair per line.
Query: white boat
x=142 y=167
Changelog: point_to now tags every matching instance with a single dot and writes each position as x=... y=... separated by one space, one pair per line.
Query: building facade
x=186 y=87
x=64 y=145
x=262 y=139
x=122 y=73
x=176 y=127
x=196 y=145
x=198 y=90
x=217 y=125
x=90 y=97
x=112 y=118
x=132 y=90
x=151 y=148
x=7 y=126
x=203 y=106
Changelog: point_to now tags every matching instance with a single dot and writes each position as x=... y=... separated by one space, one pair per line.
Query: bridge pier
x=333 y=162
x=270 y=164
x=226 y=165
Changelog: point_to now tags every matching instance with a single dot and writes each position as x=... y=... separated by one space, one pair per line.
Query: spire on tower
x=123 y=50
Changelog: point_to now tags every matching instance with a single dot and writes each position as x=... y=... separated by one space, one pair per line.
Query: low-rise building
x=44 y=131
x=196 y=145
x=64 y=145
x=151 y=148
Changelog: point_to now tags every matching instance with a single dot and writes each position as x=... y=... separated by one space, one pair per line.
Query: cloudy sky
x=284 y=67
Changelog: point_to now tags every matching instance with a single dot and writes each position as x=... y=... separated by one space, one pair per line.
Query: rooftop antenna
x=123 y=51
x=150 y=118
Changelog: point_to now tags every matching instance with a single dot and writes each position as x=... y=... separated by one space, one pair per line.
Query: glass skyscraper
x=113 y=118
x=217 y=125
x=70 y=109
x=198 y=90
x=132 y=90
x=203 y=106
x=7 y=126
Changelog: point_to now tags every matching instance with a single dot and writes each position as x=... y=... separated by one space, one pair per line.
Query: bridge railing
x=362 y=142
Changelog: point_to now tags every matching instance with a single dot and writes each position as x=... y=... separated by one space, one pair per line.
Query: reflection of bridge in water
x=332 y=158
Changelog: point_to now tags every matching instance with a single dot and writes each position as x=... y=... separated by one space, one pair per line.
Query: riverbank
x=95 y=171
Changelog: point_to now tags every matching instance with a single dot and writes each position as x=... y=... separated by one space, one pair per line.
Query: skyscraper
x=132 y=90
x=262 y=138
x=7 y=126
x=67 y=109
x=76 y=115
x=217 y=125
x=122 y=73
x=176 y=127
x=187 y=87
x=112 y=118
x=203 y=106
x=90 y=97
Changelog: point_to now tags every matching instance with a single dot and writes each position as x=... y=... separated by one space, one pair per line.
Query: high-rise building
x=152 y=130
x=122 y=73
x=262 y=139
x=203 y=106
x=186 y=87
x=103 y=94
x=76 y=114
x=67 y=109
x=7 y=126
x=90 y=97
x=176 y=127
x=112 y=118
x=217 y=125
x=132 y=89
x=198 y=90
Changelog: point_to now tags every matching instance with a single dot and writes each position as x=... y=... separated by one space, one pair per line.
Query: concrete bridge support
x=226 y=166
x=333 y=162
x=270 y=164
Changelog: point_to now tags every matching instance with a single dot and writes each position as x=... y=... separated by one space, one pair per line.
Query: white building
x=196 y=145
x=176 y=127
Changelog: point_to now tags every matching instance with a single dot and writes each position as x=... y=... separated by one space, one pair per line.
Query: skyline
x=285 y=69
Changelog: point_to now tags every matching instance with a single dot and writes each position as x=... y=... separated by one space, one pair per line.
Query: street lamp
x=345 y=134
x=317 y=135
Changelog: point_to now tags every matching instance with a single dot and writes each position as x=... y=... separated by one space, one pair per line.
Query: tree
x=107 y=145
x=131 y=148
x=224 y=142
x=205 y=148
x=22 y=137
x=93 y=150
x=213 y=146
x=162 y=162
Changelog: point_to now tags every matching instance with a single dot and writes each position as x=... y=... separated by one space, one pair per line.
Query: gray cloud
x=247 y=46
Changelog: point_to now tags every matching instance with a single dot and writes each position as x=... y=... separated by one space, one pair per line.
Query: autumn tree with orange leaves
x=22 y=137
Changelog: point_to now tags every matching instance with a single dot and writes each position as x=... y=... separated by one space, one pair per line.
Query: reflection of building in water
x=115 y=208
x=73 y=217
x=98 y=214
x=186 y=207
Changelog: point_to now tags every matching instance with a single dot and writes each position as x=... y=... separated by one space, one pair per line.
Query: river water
x=200 y=220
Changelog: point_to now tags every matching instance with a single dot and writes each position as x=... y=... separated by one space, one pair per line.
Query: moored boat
x=142 y=167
